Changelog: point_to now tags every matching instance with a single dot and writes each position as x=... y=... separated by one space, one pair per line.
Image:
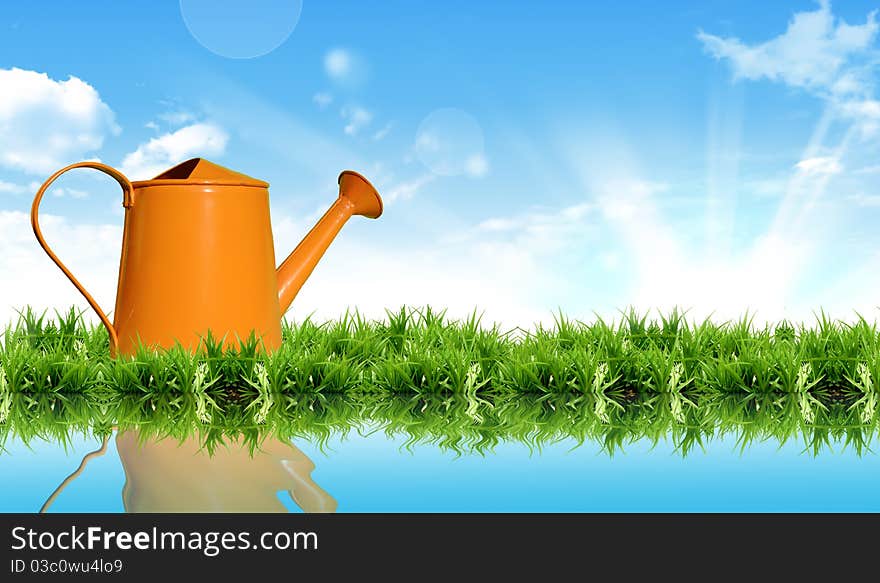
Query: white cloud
x=626 y=199
x=503 y=275
x=322 y=99
x=357 y=118
x=68 y=192
x=518 y=284
x=819 y=166
x=175 y=115
x=545 y=227
x=864 y=113
x=818 y=53
x=11 y=188
x=46 y=124
x=90 y=251
x=869 y=108
x=498 y=277
x=408 y=189
x=163 y=152
x=496 y=281
x=380 y=134
x=14 y=188
x=668 y=273
x=665 y=267
x=657 y=257
x=656 y=265
x=831 y=60
x=176 y=118
x=814 y=52
x=500 y=224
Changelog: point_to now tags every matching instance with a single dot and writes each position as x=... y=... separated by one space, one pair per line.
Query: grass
x=457 y=383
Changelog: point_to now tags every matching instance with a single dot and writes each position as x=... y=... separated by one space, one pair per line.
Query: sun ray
x=724 y=153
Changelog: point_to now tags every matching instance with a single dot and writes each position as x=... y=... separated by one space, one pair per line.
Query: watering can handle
x=35 y=223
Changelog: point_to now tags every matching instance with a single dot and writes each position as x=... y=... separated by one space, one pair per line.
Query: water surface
x=377 y=473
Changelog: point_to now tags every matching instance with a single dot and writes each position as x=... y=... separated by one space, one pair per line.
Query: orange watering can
x=198 y=255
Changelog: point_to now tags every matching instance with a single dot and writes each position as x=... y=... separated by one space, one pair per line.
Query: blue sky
x=533 y=156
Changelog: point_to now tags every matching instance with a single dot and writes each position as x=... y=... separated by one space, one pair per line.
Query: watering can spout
x=356 y=197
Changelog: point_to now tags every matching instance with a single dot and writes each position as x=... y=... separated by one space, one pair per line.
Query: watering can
x=198 y=255
x=166 y=475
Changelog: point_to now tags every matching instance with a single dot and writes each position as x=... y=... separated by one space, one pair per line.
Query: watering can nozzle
x=358 y=190
x=356 y=197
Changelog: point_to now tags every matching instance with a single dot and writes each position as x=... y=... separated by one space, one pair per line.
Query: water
x=375 y=473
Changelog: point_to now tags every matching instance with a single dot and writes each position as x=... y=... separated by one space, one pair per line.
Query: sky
x=534 y=157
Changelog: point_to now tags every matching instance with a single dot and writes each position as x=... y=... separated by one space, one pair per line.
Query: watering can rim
x=209 y=174
x=202 y=182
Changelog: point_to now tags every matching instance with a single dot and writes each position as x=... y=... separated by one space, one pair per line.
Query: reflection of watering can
x=164 y=475
x=197 y=255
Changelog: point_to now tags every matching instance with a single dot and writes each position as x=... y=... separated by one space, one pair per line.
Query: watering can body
x=198 y=256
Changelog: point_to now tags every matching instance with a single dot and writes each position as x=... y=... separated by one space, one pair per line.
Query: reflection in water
x=167 y=475
x=470 y=423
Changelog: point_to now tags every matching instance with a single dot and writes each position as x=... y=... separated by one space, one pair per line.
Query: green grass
x=458 y=384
